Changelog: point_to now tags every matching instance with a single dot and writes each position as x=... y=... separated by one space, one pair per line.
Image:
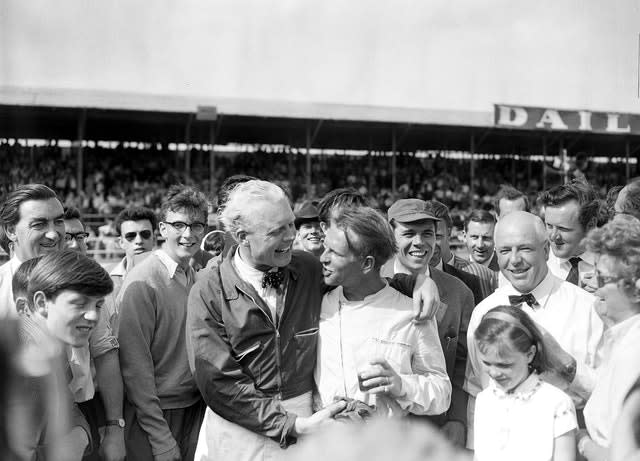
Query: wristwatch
x=115 y=422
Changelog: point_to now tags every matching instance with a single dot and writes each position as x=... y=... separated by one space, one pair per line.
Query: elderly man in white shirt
x=369 y=349
x=31 y=221
x=561 y=308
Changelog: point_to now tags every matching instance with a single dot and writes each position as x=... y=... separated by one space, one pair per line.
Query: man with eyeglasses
x=102 y=392
x=75 y=235
x=163 y=409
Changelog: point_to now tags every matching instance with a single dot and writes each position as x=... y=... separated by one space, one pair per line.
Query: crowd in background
x=117 y=177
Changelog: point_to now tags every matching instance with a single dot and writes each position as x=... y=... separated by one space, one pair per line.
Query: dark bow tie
x=525 y=298
x=273 y=279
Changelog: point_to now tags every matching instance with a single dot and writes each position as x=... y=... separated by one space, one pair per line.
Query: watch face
x=116 y=422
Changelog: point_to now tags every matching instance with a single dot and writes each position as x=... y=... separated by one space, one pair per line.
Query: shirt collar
x=14 y=263
x=543 y=290
x=451 y=260
x=586 y=256
x=121 y=269
x=619 y=330
x=168 y=262
x=398 y=268
x=523 y=391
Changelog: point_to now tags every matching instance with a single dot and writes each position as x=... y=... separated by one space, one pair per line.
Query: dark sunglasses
x=145 y=234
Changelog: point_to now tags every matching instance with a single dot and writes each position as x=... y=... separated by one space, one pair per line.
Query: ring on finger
x=385 y=389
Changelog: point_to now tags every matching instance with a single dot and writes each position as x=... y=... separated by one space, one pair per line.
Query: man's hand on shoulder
x=426 y=299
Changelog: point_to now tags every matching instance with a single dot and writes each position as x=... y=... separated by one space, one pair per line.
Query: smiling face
x=564 y=229
x=340 y=266
x=180 y=246
x=40 y=229
x=267 y=238
x=136 y=237
x=504 y=364
x=479 y=240
x=522 y=252
x=416 y=241
x=70 y=316
x=310 y=236
x=613 y=302
x=73 y=227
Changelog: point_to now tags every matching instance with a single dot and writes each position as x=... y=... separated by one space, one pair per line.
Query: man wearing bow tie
x=564 y=311
x=252 y=332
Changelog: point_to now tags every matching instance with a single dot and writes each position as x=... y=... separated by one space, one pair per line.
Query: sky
x=459 y=55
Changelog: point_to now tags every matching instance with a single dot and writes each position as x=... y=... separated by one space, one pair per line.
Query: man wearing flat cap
x=309 y=235
x=414 y=228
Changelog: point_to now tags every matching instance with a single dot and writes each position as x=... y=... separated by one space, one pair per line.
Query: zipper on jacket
x=277 y=345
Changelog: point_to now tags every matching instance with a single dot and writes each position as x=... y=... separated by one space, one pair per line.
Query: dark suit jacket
x=471 y=281
x=493 y=264
x=452 y=330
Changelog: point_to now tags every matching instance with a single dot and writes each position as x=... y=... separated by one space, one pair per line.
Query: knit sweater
x=153 y=355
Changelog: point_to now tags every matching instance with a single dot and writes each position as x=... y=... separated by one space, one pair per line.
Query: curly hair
x=619 y=238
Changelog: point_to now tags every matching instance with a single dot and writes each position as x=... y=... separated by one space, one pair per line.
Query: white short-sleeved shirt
x=523 y=424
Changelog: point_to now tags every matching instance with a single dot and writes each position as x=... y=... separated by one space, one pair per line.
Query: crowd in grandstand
x=285 y=332
x=118 y=177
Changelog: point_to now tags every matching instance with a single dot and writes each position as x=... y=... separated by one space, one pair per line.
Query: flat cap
x=410 y=210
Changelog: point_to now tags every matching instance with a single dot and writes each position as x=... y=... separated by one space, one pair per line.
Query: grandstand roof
x=49 y=113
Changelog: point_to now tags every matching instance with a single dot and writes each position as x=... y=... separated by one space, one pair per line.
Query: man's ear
x=21 y=305
x=241 y=237
x=368 y=264
x=11 y=232
x=40 y=303
x=162 y=227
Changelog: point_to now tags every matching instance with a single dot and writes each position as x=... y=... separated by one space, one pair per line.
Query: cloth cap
x=307 y=212
x=410 y=210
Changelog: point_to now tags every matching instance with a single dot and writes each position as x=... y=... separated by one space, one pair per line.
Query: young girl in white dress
x=519 y=417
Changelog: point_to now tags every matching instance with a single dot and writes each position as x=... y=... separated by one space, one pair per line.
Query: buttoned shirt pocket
x=306 y=343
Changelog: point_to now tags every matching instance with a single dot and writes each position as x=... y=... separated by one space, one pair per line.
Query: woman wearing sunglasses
x=617 y=272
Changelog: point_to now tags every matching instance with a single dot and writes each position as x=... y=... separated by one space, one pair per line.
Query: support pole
x=563 y=156
x=544 y=163
x=187 y=156
x=82 y=124
x=627 y=166
x=472 y=171
x=394 y=184
x=308 y=159
x=212 y=158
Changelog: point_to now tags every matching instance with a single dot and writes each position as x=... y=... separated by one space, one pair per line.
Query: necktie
x=573 y=276
x=273 y=278
x=525 y=298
